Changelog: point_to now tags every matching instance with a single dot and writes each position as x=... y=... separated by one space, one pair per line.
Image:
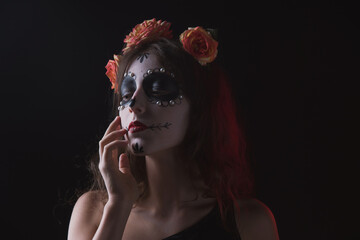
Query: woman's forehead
x=143 y=63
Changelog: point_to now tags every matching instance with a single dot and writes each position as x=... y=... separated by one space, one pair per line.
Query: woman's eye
x=159 y=92
x=160 y=86
x=126 y=97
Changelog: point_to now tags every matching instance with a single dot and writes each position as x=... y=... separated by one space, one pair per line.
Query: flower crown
x=196 y=41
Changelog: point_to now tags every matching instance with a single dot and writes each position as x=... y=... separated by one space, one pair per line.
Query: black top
x=210 y=227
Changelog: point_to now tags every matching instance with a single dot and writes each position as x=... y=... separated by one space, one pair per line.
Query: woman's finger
x=124 y=164
x=113 y=125
x=115 y=135
x=109 y=148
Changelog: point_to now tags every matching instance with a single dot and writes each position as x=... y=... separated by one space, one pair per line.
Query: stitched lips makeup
x=136 y=126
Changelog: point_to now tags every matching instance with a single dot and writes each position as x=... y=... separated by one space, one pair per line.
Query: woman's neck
x=169 y=184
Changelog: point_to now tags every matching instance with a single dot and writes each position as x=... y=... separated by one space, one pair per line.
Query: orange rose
x=111 y=70
x=148 y=28
x=199 y=43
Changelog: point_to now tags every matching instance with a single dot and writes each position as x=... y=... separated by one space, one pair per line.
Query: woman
x=171 y=164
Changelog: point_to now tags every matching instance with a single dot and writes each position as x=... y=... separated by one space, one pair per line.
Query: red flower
x=148 y=28
x=199 y=43
x=111 y=70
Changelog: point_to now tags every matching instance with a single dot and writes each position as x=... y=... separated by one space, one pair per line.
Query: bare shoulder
x=255 y=220
x=86 y=215
x=92 y=203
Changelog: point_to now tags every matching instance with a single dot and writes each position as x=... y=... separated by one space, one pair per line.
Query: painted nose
x=137 y=104
x=132 y=102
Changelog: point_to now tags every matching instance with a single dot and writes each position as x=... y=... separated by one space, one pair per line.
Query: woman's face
x=152 y=107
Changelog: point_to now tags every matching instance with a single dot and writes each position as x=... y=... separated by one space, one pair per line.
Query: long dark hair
x=214 y=150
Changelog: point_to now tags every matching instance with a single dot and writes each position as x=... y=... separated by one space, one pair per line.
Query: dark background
x=293 y=70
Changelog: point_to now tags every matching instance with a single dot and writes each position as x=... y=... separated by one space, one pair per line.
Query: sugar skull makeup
x=152 y=107
x=128 y=87
x=160 y=87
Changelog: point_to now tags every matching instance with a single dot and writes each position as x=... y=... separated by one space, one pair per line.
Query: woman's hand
x=115 y=169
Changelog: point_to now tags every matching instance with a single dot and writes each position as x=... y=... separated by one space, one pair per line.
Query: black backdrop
x=292 y=70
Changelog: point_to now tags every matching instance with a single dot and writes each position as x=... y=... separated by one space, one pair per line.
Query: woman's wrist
x=116 y=202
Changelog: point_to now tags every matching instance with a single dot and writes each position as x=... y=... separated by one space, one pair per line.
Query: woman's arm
x=90 y=219
x=113 y=221
x=86 y=216
x=255 y=221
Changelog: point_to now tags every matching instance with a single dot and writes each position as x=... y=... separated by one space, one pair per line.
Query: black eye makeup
x=127 y=89
x=161 y=87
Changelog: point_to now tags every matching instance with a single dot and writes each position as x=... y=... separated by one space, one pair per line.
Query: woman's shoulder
x=87 y=212
x=91 y=202
x=255 y=220
x=93 y=197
